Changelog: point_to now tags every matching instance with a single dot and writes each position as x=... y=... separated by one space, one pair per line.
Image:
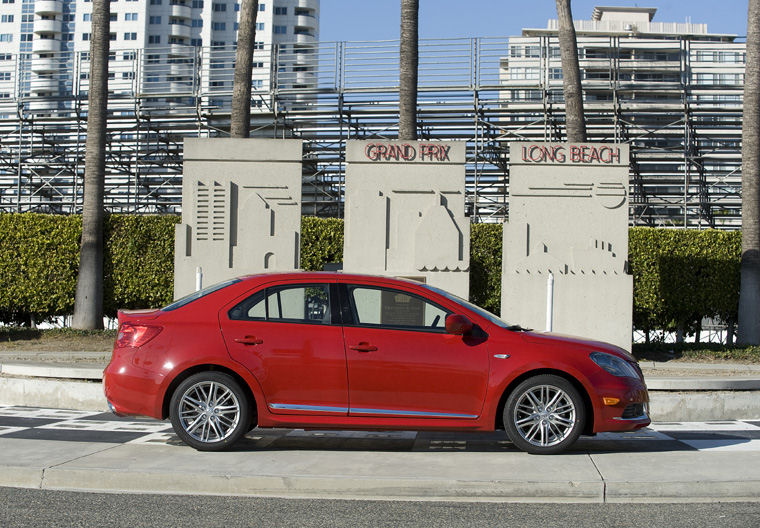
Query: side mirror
x=458 y=324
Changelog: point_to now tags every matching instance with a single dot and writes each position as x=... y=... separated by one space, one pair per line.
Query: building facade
x=157 y=46
x=672 y=90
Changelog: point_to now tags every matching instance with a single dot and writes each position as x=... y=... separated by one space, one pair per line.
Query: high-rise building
x=671 y=90
x=156 y=46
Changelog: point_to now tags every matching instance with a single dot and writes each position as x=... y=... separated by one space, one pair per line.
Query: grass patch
x=56 y=339
x=696 y=352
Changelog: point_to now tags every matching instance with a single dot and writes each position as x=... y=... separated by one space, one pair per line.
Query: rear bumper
x=131 y=390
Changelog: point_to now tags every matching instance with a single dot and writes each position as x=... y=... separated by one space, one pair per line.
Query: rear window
x=187 y=299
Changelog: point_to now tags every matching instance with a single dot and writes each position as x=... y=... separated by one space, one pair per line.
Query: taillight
x=134 y=335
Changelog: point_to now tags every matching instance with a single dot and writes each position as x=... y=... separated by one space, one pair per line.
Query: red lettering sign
x=586 y=154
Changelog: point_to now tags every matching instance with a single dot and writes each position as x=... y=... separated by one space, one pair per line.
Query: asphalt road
x=28 y=507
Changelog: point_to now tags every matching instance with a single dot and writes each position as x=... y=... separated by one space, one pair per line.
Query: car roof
x=328 y=275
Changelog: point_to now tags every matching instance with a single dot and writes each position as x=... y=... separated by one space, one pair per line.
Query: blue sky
x=379 y=19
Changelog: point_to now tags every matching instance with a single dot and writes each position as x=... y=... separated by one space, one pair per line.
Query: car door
x=402 y=363
x=289 y=336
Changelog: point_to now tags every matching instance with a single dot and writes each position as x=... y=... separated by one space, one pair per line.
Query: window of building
x=111 y=75
x=219 y=26
x=237 y=7
x=127 y=75
x=69 y=17
x=128 y=55
x=218 y=43
x=197 y=4
x=130 y=36
x=87 y=17
x=262 y=7
x=85 y=36
x=130 y=17
x=155 y=2
x=196 y=42
x=280 y=30
x=113 y=17
x=154 y=39
x=218 y=7
x=154 y=20
x=6 y=18
x=258 y=45
x=257 y=83
x=555 y=73
x=259 y=26
x=197 y=22
x=257 y=65
x=9 y=1
x=280 y=10
x=5 y=76
x=112 y=36
x=26 y=37
x=5 y=57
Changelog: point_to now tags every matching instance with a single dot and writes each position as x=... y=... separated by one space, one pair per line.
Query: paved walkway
x=63 y=449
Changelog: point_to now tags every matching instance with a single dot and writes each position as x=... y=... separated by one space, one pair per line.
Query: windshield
x=467 y=304
x=187 y=299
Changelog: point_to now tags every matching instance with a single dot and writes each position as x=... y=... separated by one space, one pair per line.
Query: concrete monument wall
x=241 y=209
x=568 y=215
x=405 y=212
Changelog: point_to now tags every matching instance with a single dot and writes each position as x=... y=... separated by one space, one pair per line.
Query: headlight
x=614 y=365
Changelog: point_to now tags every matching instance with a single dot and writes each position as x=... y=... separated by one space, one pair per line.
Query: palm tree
x=88 y=303
x=408 y=58
x=575 y=122
x=240 y=120
x=749 y=292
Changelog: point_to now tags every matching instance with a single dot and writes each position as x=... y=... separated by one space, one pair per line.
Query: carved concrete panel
x=568 y=215
x=241 y=209
x=405 y=212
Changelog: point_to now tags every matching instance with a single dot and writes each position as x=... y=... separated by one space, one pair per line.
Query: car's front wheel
x=209 y=411
x=544 y=415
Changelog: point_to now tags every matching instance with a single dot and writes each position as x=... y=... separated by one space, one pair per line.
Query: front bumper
x=630 y=413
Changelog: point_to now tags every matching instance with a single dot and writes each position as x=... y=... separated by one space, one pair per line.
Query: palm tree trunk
x=88 y=303
x=408 y=59
x=749 y=292
x=240 y=120
x=575 y=122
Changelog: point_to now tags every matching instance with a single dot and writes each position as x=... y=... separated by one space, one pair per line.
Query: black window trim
x=332 y=292
x=347 y=304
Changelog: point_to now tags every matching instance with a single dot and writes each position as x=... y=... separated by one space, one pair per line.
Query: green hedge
x=679 y=276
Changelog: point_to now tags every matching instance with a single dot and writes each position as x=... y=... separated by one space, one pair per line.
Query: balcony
x=47 y=26
x=180 y=50
x=48 y=7
x=45 y=64
x=46 y=45
x=182 y=11
x=306 y=21
x=304 y=38
x=44 y=84
x=179 y=30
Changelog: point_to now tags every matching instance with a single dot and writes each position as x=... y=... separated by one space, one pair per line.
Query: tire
x=209 y=411
x=541 y=429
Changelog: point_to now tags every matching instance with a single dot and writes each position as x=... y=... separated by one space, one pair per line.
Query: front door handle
x=249 y=340
x=363 y=347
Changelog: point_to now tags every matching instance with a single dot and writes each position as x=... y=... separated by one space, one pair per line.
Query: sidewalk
x=390 y=466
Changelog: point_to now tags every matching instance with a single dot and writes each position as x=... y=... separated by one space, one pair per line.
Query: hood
x=590 y=345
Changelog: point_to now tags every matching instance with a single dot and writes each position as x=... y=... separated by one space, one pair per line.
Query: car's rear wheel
x=544 y=415
x=209 y=411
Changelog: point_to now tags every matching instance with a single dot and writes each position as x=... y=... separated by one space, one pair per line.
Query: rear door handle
x=249 y=340
x=363 y=347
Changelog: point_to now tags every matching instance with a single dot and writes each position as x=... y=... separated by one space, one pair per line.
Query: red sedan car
x=340 y=351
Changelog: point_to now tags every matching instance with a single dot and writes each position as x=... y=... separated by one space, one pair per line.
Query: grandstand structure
x=675 y=97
